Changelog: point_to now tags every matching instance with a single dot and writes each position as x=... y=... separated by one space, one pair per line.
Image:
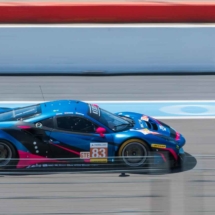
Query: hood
x=146 y=122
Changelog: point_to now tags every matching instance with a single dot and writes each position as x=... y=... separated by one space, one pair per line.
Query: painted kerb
x=107 y=49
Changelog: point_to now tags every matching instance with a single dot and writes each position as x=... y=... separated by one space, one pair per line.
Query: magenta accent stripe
x=163 y=157
x=177 y=136
x=69 y=150
x=27 y=159
x=173 y=153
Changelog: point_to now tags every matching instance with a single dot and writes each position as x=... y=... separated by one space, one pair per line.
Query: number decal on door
x=98 y=152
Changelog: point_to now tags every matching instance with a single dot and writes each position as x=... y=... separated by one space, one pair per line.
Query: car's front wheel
x=134 y=153
x=7 y=155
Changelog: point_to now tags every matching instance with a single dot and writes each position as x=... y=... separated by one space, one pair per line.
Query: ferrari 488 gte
x=68 y=133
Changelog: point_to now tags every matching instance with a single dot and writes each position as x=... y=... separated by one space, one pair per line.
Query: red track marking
x=106 y=12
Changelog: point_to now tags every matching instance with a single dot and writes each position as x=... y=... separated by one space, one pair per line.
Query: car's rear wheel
x=7 y=155
x=134 y=153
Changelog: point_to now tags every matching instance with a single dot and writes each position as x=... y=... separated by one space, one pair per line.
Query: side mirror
x=101 y=131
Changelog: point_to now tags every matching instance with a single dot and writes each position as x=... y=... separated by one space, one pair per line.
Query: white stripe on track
x=126 y=25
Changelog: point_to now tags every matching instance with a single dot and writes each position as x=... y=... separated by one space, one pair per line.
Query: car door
x=45 y=127
x=75 y=140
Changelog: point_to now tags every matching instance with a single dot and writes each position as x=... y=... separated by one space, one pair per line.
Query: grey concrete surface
x=112 y=88
x=176 y=193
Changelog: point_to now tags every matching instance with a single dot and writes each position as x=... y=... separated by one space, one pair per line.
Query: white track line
x=135 y=25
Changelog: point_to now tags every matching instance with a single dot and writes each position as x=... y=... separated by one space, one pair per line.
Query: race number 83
x=98 y=152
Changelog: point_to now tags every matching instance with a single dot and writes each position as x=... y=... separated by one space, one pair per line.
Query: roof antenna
x=42 y=93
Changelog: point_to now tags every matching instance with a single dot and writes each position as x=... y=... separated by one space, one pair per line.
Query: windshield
x=115 y=123
x=21 y=113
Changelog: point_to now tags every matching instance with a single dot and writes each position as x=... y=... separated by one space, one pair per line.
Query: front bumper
x=182 y=157
x=164 y=156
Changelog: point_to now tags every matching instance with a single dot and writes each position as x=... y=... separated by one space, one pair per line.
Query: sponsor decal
x=98 y=152
x=85 y=155
x=60 y=165
x=159 y=146
x=94 y=111
x=147 y=131
x=144 y=118
x=79 y=113
x=95 y=145
x=98 y=160
x=68 y=112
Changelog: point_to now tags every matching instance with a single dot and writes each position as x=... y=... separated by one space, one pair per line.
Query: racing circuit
x=179 y=192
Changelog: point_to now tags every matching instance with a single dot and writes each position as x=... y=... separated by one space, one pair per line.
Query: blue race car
x=68 y=133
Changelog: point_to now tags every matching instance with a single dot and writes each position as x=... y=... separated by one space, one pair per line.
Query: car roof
x=60 y=107
x=52 y=108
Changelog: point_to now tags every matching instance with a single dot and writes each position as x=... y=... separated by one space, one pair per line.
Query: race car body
x=68 y=133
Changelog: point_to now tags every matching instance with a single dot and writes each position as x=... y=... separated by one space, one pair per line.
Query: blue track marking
x=162 y=109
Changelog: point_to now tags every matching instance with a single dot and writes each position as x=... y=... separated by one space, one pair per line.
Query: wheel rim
x=5 y=154
x=134 y=154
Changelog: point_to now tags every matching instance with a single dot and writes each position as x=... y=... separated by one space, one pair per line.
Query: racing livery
x=69 y=133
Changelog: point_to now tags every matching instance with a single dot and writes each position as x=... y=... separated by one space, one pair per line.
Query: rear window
x=21 y=113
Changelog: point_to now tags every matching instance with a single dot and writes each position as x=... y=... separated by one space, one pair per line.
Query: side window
x=76 y=124
x=49 y=123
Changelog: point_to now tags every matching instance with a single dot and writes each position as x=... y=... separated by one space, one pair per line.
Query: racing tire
x=8 y=155
x=134 y=153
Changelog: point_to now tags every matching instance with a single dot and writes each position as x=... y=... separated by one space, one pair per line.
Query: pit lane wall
x=109 y=12
x=107 y=49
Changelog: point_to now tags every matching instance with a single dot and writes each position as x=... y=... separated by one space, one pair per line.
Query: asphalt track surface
x=178 y=192
x=107 y=88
